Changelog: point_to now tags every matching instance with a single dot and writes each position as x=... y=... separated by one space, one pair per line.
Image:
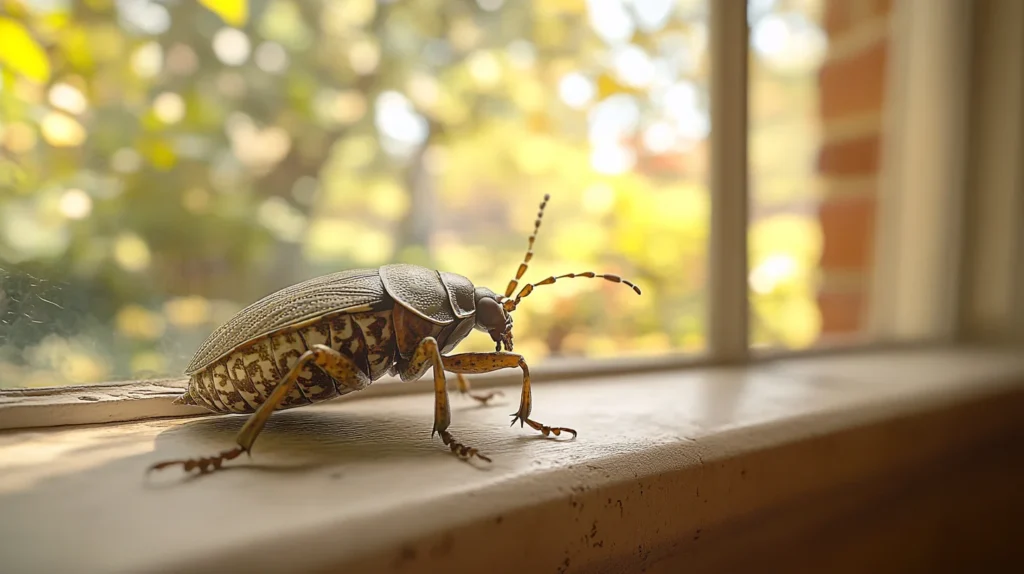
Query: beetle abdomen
x=242 y=381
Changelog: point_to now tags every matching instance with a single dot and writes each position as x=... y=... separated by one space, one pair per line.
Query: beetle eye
x=489 y=314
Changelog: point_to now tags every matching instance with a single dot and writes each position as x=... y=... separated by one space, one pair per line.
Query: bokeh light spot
x=75 y=204
x=131 y=252
x=271 y=57
x=67 y=98
x=576 y=90
x=169 y=107
x=60 y=130
x=147 y=60
x=231 y=46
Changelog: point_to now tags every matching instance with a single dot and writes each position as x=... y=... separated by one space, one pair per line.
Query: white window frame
x=921 y=188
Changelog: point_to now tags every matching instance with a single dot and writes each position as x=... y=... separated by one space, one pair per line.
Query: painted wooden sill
x=671 y=468
x=138 y=400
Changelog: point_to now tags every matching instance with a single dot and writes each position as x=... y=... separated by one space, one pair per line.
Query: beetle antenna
x=529 y=250
x=510 y=304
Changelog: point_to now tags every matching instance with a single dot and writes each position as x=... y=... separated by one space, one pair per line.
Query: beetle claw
x=206 y=464
x=462 y=451
x=544 y=429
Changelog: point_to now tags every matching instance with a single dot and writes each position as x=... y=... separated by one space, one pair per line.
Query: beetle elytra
x=336 y=334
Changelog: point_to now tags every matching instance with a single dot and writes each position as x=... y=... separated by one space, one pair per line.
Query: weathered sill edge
x=149 y=399
x=718 y=490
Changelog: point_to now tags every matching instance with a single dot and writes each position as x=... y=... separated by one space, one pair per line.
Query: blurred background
x=165 y=163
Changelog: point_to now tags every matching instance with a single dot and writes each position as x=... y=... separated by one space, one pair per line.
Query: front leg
x=425 y=356
x=488 y=362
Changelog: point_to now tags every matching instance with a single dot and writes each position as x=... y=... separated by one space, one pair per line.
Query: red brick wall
x=851 y=82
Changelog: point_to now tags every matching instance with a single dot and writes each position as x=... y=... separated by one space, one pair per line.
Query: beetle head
x=492 y=318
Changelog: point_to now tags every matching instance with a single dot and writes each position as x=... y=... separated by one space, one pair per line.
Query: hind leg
x=338 y=366
x=466 y=390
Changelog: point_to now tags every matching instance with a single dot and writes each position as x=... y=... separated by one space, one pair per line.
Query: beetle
x=338 y=333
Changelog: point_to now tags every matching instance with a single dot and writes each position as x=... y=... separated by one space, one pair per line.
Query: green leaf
x=21 y=53
x=233 y=12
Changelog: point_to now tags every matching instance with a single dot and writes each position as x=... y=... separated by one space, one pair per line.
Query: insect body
x=338 y=333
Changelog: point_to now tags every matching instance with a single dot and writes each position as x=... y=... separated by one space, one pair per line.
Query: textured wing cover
x=419 y=290
x=291 y=306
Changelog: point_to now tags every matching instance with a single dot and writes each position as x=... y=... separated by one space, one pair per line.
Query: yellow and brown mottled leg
x=425 y=356
x=488 y=362
x=465 y=389
x=338 y=366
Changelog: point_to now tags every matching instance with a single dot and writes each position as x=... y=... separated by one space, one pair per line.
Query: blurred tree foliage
x=163 y=164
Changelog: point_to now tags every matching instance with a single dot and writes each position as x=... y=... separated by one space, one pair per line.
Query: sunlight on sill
x=730 y=433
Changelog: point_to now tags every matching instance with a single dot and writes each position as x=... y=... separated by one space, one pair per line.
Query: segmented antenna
x=529 y=250
x=510 y=304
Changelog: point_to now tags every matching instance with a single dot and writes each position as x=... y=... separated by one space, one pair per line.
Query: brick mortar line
x=860 y=38
x=852 y=127
x=842 y=188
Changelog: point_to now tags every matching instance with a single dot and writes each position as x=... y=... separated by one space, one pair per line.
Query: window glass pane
x=163 y=166
x=817 y=72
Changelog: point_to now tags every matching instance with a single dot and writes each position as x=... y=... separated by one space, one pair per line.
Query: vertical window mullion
x=990 y=266
x=727 y=289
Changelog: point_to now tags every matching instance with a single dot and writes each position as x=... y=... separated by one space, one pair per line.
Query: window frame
x=954 y=280
x=991 y=298
x=728 y=293
x=923 y=165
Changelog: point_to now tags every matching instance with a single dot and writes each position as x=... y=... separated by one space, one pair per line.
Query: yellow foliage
x=793 y=234
x=187 y=311
x=233 y=12
x=784 y=254
x=83 y=368
x=550 y=8
x=77 y=45
x=160 y=153
x=20 y=52
x=529 y=95
x=338 y=17
x=387 y=199
x=131 y=252
x=580 y=240
x=366 y=244
x=450 y=108
x=18 y=137
x=534 y=154
x=139 y=323
x=506 y=138
x=550 y=32
x=148 y=363
x=609 y=86
x=791 y=321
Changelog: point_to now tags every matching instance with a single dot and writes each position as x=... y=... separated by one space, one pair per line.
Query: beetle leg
x=488 y=362
x=425 y=356
x=465 y=389
x=340 y=367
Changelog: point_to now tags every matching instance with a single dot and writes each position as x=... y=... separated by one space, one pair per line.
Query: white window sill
x=671 y=468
